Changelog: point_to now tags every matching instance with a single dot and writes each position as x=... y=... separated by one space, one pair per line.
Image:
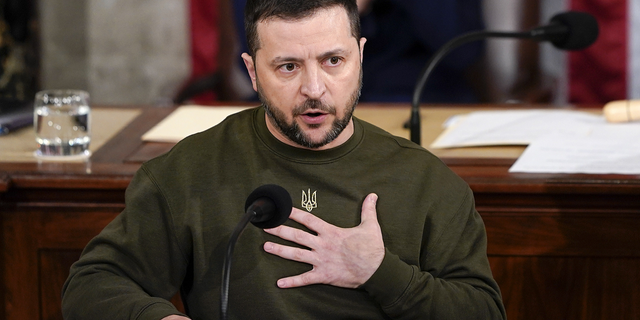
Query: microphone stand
x=226 y=267
x=414 y=121
x=268 y=206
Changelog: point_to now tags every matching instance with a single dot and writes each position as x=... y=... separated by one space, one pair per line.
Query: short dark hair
x=260 y=10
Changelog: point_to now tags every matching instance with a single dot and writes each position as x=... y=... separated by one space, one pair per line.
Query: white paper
x=513 y=127
x=187 y=120
x=607 y=149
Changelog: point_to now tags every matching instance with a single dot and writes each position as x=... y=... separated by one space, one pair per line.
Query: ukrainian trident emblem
x=309 y=200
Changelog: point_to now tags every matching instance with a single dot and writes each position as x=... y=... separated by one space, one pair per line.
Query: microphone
x=572 y=30
x=268 y=206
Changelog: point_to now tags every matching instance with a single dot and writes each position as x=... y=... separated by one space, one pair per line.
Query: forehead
x=330 y=26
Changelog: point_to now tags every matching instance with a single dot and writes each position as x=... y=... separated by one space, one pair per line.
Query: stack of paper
x=512 y=127
x=187 y=120
x=559 y=141
x=607 y=148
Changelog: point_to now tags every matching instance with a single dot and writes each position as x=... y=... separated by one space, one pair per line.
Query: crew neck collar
x=304 y=155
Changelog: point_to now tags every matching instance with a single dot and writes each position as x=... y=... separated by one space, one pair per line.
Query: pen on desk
x=14 y=114
x=15 y=122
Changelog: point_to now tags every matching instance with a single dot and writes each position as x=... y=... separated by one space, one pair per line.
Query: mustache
x=313 y=104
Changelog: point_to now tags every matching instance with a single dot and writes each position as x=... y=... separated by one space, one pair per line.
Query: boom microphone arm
x=568 y=31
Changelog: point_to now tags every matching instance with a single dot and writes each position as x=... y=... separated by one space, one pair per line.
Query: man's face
x=307 y=73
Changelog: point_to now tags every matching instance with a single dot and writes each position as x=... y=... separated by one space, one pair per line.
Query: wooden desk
x=561 y=246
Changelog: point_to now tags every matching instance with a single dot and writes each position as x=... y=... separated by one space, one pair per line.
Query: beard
x=292 y=130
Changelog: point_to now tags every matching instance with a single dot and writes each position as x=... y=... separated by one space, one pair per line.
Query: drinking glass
x=62 y=121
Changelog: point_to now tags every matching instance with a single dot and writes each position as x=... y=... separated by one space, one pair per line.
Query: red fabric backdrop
x=204 y=38
x=598 y=74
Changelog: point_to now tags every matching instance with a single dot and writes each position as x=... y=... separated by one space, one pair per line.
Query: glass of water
x=62 y=121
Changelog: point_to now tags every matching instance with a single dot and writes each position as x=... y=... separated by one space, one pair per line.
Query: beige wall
x=121 y=51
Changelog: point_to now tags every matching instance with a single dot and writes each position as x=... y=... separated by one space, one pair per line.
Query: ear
x=251 y=68
x=363 y=40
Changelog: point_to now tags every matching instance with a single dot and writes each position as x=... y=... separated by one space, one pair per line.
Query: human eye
x=287 y=67
x=333 y=61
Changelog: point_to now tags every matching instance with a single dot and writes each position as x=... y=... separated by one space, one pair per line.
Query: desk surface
x=113 y=164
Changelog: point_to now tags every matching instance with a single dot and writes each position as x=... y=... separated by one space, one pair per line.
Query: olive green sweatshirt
x=182 y=207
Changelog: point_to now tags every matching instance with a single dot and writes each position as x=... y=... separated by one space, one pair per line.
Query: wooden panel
x=28 y=234
x=4 y=182
x=568 y=288
x=565 y=233
x=53 y=265
x=21 y=268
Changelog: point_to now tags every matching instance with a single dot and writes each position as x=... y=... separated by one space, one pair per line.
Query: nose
x=313 y=83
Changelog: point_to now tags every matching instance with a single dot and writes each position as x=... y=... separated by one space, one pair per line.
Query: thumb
x=369 y=209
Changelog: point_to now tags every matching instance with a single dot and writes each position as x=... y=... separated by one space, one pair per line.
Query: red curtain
x=598 y=74
x=205 y=36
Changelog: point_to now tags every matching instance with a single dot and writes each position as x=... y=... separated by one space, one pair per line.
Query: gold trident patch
x=309 y=200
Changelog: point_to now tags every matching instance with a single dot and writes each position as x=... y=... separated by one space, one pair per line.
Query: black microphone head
x=583 y=30
x=279 y=212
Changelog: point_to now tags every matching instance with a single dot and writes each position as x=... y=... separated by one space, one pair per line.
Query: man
x=381 y=229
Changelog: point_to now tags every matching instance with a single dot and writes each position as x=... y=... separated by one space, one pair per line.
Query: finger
x=369 y=213
x=287 y=252
x=292 y=234
x=305 y=279
x=308 y=220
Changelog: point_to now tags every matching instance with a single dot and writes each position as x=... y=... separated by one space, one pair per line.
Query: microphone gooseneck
x=268 y=206
x=571 y=30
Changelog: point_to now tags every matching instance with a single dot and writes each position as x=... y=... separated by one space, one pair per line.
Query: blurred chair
x=214 y=48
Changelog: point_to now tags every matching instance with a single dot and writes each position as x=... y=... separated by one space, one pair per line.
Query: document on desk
x=187 y=120
x=606 y=149
x=559 y=141
x=512 y=127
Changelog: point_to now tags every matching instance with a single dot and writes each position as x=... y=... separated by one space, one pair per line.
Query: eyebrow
x=280 y=60
x=336 y=52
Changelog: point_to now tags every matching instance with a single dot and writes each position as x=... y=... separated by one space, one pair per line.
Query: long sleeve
x=454 y=280
x=132 y=268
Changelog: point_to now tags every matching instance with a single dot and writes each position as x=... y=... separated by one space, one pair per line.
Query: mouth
x=314 y=114
x=314 y=117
